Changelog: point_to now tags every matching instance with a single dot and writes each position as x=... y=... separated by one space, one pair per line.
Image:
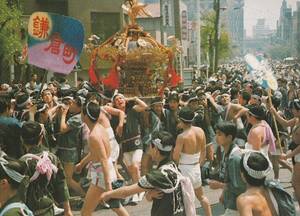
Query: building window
x=166 y=15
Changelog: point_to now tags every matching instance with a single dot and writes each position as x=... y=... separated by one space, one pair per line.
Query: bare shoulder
x=181 y=136
x=257 y=130
x=198 y=129
x=244 y=199
x=236 y=106
x=93 y=138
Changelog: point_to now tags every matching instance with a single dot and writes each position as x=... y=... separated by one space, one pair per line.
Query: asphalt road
x=144 y=207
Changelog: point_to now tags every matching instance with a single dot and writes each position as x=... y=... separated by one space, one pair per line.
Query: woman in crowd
x=294 y=123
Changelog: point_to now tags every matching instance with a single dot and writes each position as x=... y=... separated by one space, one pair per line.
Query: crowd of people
x=226 y=132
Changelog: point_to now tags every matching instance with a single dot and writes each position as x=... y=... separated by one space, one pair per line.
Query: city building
x=261 y=30
x=296 y=31
x=236 y=24
x=285 y=24
x=152 y=24
x=193 y=32
x=232 y=18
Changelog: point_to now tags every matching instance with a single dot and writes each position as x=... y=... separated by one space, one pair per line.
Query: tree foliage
x=10 y=28
x=279 y=51
x=207 y=39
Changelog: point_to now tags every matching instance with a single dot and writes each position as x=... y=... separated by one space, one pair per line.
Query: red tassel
x=92 y=74
x=175 y=78
x=112 y=79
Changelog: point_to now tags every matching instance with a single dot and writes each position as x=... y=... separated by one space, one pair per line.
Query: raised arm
x=64 y=128
x=117 y=112
x=281 y=120
x=140 y=106
x=240 y=110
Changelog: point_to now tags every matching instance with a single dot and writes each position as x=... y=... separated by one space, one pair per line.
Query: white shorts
x=114 y=145
x=193 y=172
x=115 y=149
x=132 y=157
x=97 y=175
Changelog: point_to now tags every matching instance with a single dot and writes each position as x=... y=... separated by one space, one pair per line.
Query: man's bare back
x=193 y=140
x=256 y=202
x=99 y=143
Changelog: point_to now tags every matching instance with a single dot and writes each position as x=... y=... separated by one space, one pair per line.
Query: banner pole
x=43 y=83
x=275 y=122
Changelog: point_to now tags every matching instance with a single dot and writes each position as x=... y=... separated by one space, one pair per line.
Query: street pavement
x=144 y=207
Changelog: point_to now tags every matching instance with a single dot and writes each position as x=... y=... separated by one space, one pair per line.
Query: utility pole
x=216 y=37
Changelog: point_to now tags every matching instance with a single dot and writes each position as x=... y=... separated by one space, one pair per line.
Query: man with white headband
x=189 y=153
x=47 y=183
x=163 y=185
x=262 y=198
x=131 y=141
x=11 y=178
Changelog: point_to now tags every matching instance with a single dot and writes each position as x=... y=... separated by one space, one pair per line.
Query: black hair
x=93 y=96
x=228 y=128
x=15 y=165
x=78 y=101
x=295 y=104
x=257 y=111
x=276 y=101
x=186 y=115
x=22 y=98
x=31 y=132
x=256 y=162
x=49 y=90
x=234 y=92
x=246 y=96
x=92 y=110
x=166 y=138
x=4 y=104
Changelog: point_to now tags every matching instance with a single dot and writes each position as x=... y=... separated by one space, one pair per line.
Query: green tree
x=10 y=33
x=207 y=33
x=279 y=51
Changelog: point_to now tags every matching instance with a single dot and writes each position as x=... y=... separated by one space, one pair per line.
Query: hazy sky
x=269 y=9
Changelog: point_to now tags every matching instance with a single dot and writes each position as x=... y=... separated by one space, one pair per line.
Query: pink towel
x=269 y=138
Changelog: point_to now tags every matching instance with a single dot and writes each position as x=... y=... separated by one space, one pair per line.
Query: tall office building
x=285 y=24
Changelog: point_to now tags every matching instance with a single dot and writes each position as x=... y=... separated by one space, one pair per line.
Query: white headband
x=157 y=143
x=255 y=173
x=88 y=112
x=186 y=120
x=117 y=94
x=24 y=103
x=10 y=172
